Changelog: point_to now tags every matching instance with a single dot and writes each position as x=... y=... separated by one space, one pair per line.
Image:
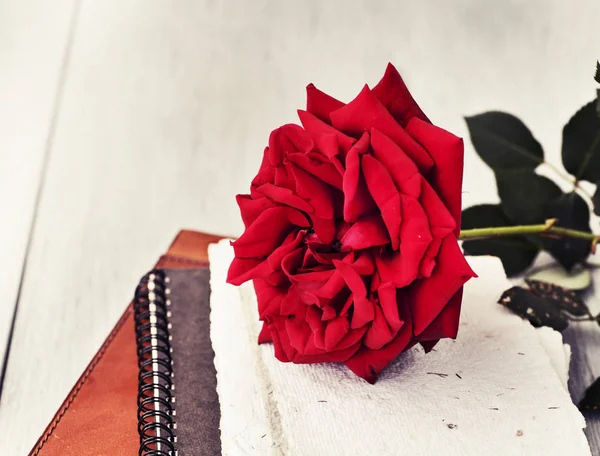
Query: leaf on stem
x=572 y=212
x=504 y=142
x=515 y=252
x=524 y=195
x=540 y=312
x=581 y=144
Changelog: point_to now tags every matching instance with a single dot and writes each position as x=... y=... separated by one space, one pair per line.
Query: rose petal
x=402 y=169
x=313 y=124
x=364 y=311
x=446 y=323
x=269 y=299
x=429 y=297
x=287 y=139
x=447 y=152
x=386 y=196
x=284 y=196
x=251 y=208
x=367 y=363
x=367 y=232
x=380 y=333
x=320 y=168
x=335 y=331
x=402 y=268
x=318 y=195
x=266 y=172
x=268 y=231
x=366 y=112
x=265 y=334
x=320 y=104
x=357 y=200
x=441 y=223
x=242 y=270
x=389 y=305
x=395 y=96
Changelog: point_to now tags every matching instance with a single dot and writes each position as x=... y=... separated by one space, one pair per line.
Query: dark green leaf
x=591 y=398
x=538 y=311
x=504 y=142
x=596 y=199
x=572 y=212
x=581 y=144
x=524 y=195
x=515 y=252
x=567 y=300
x=597 y=74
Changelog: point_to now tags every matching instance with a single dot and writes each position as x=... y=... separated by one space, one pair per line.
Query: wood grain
x=165 y=112
x=33 y=39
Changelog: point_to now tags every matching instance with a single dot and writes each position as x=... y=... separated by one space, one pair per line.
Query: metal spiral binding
x=156 y=401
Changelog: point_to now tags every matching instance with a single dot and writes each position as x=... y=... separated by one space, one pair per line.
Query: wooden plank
x=167 y=108
x=33 y=35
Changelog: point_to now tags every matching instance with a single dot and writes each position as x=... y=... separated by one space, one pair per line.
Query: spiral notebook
x=175 y=406
x=178 y=406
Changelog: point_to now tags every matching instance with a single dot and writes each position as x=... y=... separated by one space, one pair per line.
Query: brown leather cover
x=99 y=416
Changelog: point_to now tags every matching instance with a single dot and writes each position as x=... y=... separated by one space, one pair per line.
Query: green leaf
x=540 y=312
x=581 y=144
x=597 y=74
x=524 y=195
x=596 y=199
x=565 y=299
x=591 y=398
x=572 y=212
x=579 y=278
x=515 y=252
x=504 y=142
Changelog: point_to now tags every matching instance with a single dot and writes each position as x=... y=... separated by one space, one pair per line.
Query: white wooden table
x=122 y=122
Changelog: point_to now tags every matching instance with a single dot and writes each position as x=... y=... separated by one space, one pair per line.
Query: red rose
x=351 y=231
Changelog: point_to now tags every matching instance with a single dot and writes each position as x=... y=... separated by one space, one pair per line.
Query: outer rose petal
x=265 y=335
x=286 y=139
x=366 y=112
x=284 y=196
x=395 y=96
x=269 y=298
x=367 y=363
x=251 y=208
x=313 y=124
x=429 y=297
x=266 y=172
x=447 y=152
x=446 y=323
x=320 y=104
x=242 y=270
x=268 y=232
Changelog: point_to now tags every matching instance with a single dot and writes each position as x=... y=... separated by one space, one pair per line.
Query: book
x=100 y=414
x=178 y=406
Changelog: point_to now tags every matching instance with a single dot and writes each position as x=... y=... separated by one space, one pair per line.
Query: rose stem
x=547 y=228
